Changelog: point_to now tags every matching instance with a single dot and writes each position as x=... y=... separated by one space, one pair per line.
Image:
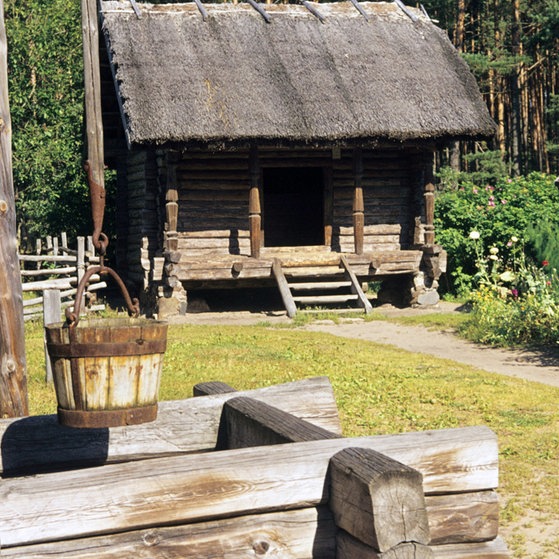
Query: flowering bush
x=515 y=301
x=510 y=207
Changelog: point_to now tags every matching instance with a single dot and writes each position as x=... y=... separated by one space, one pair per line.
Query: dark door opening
x=293 y=211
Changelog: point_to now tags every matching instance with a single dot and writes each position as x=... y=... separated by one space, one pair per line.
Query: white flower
x=514 y=239
x=474 y=235
x=493 y=250
x=493 y=257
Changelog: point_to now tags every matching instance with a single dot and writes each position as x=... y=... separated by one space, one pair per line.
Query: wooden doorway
x=293 y=209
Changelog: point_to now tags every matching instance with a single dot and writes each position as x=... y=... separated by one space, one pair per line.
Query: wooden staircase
x=328 y=287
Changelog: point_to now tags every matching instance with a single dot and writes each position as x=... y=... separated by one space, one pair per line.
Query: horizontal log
x=300 y=534
x=377 y=500
x=211 y=387
x=214 y=233
x=495 y=549
x=39 y=443
x=348 y=547
x=463 y=517
x=380 y=229
x=248 y=422
x=49 y=272
x=45 y=258
x=192 y=488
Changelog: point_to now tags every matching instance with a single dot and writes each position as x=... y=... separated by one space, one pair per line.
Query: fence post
x=52 y=309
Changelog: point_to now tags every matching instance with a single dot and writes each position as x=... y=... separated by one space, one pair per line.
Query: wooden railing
x=52 y=274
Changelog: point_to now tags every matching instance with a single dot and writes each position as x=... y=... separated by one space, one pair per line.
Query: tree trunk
x=514 y=82
x=13 y=381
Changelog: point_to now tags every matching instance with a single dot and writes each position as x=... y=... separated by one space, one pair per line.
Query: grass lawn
x=379 y=390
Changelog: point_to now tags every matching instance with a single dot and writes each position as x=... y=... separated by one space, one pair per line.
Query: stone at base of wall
x=170 y=306
x=428 y=298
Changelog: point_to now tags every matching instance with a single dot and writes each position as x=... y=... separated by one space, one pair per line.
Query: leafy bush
x=509 y=208
x=516 y=301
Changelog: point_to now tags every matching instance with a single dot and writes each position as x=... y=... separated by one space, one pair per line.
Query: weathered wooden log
x=183 y=426
x=299 y=534
x=211 y=387
x=249 y=423
x=463 y=517
x=283 y=287
x=13 y=379
x=348 y=547
x=494 y=549
x=377 y=500
x=192 y=488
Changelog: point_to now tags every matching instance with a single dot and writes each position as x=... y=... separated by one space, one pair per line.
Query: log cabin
x=261 y=145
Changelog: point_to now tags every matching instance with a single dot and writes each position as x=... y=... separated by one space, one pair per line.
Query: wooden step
x=308 y=286
x=325 y=299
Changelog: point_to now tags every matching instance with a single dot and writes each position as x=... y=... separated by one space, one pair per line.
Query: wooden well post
x=13 y=380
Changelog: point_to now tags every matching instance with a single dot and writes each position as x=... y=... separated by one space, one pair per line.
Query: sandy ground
x=535 y=536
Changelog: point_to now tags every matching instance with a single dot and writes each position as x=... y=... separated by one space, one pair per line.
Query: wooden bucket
x=106 y=371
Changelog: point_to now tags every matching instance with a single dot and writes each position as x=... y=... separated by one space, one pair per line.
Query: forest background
x=512 y=47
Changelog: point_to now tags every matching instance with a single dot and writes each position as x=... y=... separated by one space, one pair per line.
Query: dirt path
x=536 y=366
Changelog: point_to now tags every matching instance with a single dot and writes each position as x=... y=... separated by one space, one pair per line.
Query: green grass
x=379 y=389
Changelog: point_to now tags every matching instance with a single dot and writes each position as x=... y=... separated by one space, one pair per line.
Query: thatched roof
x=235 y=78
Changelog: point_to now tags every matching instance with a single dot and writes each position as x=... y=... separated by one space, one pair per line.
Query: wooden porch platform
x=299 y=262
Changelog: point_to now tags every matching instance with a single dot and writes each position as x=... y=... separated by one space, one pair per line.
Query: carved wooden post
x=13 y=380
x=358 y=205
x=429 y=193
x=171 y=204
x=254 y=208
x=172 y=297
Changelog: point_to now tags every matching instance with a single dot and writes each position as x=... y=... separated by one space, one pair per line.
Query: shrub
x=498 y=212
x=516 y=302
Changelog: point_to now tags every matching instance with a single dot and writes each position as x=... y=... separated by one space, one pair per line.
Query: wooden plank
x=52 y=310
x=377 y=500
x=348 y=547
x=192 y=488
x=249 y=423
x=183 y=426
x=463 y=517
x=299 y=534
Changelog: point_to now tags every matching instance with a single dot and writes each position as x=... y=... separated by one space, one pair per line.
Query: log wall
x=144 y=227
x=214 y=199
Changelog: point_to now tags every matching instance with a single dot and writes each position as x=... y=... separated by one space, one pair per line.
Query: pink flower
x=503 y=202
x=491 y=204
x=475 y=190
x=514 y=292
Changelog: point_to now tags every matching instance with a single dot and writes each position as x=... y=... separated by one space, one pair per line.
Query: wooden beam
x=299 y=534
x=283 y=286
x=429 y=194
x=377 y=500
x=193 y=488
x=93 y=112
x=358 y=204
x=13 y=369
x=39 y=443
x=254 y=208
x=364 y=303
x=249 y=423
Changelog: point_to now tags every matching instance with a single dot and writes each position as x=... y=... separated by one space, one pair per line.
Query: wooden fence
x=53 y=272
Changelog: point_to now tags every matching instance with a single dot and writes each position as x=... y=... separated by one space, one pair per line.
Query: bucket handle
x=73 y=316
